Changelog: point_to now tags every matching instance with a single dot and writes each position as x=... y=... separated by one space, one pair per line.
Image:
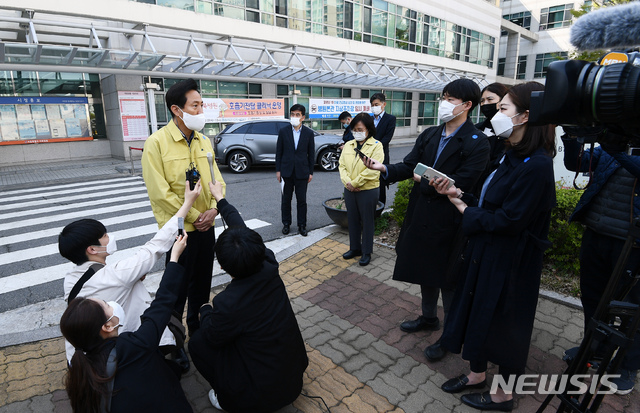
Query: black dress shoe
x=482 y=401
x=435 y=352
x=351 y=254
x=182 y=360
x=285 y=229
x=420 y=323
x=302 y=230
x=365 y=260
x=460 y=383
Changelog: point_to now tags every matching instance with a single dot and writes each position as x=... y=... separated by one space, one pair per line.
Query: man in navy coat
x=295 y=152
x=385 y=126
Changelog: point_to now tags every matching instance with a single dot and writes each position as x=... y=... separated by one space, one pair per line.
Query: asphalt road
x=256 y=194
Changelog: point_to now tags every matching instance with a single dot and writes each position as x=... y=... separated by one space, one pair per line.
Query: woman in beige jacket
x=361 y=186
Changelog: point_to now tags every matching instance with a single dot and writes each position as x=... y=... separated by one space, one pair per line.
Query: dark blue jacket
x=294 y=162
x=603 y=165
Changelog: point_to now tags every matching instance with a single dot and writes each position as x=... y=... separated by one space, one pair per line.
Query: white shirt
x=120 y=281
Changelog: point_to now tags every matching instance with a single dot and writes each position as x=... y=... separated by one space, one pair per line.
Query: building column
x=513 y=51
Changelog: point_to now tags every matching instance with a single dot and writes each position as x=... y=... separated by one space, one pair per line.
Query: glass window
x=266 y=5
x=544 y=60
x=428 y=109
x=229 y=11
x=367 y=20
x=331 y=92
x=281 y=7
x=282 y=90
x=263 y=128
x=281 y=21
x=208 y=86
x=555 y=17
x=178 y=4
x=204 y=7
x=379 y=22
x=252 y=16
x=255 y=89
x=233 y=88
x=52 y=83
x=253 y=4
x=522 y=19
x=501 y=63
x=347 y=21
x=298 y=9
x=267 y=19
x=521 y=70
x=242 y=129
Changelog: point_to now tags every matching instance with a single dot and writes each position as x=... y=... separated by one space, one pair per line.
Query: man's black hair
x=177 y=94
x=344 y=115
x=367 y=122
x=240 y=252
x=77 y=236
x=464 y=89
x=298 y=107
x=380 y=96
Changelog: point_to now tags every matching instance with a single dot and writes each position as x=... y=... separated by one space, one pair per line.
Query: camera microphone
x=210 y=159
x=608 y=28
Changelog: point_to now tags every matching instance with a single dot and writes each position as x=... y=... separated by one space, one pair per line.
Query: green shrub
x=401 y=200
x=566 y=237
x=381 y=223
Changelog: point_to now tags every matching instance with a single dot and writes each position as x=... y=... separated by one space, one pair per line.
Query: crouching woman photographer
x=117 y=373
x=492 y=314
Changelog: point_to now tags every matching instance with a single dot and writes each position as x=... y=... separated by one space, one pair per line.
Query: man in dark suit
x=295 y=153
x=428 y=236
x=385 y=126
x=345 y=121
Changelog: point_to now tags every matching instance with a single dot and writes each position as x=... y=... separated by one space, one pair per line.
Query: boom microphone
x=608 y=28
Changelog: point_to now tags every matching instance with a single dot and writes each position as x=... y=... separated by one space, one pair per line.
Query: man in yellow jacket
x=167 y=155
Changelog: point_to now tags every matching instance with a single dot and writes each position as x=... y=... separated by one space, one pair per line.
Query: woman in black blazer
x=492 y=314
x=117 y=373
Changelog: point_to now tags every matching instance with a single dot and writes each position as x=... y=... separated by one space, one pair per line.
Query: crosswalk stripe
x=73 y=215
x=57 y=272
x=50 y=249
x=93 y=188
x=26 y=236
x=68 y=201
x=87 y=204
x=64 y=186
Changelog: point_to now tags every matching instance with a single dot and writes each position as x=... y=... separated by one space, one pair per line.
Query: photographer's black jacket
x=431 y=221
x=249 y=346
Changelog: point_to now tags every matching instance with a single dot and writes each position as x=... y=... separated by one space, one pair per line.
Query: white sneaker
x=214 y=399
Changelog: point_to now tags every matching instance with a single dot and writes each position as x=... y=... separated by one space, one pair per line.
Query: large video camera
x=597 y=97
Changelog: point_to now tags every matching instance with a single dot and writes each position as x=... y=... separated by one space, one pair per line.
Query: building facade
x=94 y=51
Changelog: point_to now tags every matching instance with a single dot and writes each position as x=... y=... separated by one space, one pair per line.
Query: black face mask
x=489 y=110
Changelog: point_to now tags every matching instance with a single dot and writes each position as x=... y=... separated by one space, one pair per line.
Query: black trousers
x=197 y=259
x=598 y=256
x=361 y=209
x=300 y=187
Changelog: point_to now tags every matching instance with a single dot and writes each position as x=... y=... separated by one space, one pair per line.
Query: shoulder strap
x=85 y=277
x=110 y=371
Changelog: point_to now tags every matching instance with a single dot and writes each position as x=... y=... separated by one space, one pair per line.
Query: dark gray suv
x=254 y=142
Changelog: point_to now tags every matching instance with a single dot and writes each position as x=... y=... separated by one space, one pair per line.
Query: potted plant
x=337 y=211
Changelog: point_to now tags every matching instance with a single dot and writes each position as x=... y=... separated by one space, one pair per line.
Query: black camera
x=193 y=175
x=579 y=93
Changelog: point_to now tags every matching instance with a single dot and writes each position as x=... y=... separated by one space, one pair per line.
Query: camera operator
x=606 y=208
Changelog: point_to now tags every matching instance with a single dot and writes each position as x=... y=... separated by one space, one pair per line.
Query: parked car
x=253 y=142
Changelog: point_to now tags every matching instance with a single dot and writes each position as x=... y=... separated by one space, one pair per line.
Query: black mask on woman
x=489 y=110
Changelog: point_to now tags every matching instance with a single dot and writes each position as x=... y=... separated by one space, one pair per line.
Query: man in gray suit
x=295 y=153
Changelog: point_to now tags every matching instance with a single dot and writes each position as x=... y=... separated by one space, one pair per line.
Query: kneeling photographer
x=607 y=208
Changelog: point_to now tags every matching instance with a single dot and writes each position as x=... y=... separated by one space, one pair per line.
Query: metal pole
x=152 y=109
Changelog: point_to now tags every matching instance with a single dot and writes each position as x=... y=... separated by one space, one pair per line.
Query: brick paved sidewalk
x=360 y=361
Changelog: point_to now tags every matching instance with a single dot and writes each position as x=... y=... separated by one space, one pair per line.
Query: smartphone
x=429 y=173
x=180 y=226
x=360 y=154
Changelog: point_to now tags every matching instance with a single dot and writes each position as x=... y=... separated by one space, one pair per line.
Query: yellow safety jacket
x=352 y=168
x=165 y=159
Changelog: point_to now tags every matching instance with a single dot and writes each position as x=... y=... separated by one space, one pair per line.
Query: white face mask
x=111 y=246
x=193 y=122
x=359 y=136
x=118 y=311
x=376 y=110
x=445 y=111
x=503 y=125
x=295 y=122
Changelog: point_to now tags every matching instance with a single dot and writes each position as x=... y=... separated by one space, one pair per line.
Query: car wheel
x=328 y=160
x=239 y=162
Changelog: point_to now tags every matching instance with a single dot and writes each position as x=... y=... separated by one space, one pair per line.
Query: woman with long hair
x=491 y=318
x=112 y=372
